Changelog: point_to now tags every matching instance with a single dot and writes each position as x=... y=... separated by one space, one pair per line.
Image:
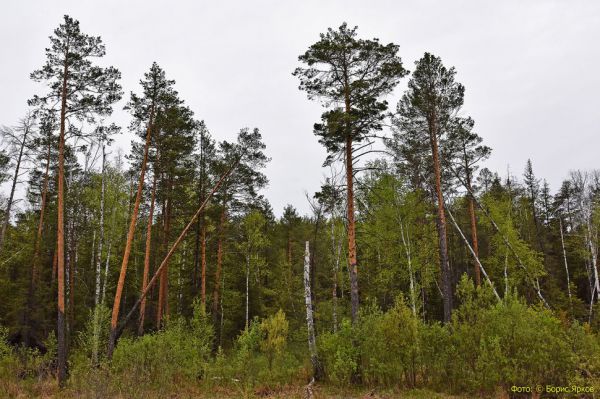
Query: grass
x=49 y=389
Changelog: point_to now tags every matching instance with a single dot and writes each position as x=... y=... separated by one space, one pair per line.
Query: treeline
x=424 y=268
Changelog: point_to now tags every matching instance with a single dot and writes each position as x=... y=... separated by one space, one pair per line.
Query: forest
x=165 y=272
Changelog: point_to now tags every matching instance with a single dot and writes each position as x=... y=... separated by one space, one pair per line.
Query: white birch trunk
x=312 y=345
x=247 y=290
x=413 y=303
x=562 y=241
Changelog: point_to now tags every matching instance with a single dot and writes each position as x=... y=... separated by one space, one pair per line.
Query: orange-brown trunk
x=147 y=256
x=215 y=304
x=129 y=242
x=475 y=241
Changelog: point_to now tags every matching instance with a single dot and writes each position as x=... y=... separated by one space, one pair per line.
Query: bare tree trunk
x=476 y=270
x=203 y=258
x=336 y=249
x=406 y=243
x=147 y=256
x=105 y=282
x=96 y=339
x=473 y=253
x=26 y=127
x=247 y=288
x=129 y=242
x=163 y=293
x=354 y=299
x=312 y=344
x=215 y=304
x=38 y=237
x=61 y=338
x=441 y=222
x=36 y=251
x=562 y=242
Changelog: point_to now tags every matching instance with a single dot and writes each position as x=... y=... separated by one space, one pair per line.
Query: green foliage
x=275 y=331
x=340 y=355
x=390 y=345
x=179 y=352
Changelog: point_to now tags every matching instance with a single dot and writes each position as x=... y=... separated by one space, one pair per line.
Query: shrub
x=179 y=352
x=390 y=345
x=339 y=355
x=274 y=336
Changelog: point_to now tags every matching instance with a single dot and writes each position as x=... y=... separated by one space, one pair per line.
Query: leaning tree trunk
x=312 y=344
x=12 y=188
x=129 y=242
x=147 y=256
x=441 y=222
x=174 y=248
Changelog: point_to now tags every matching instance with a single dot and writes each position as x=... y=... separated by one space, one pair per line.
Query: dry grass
x=49 y=389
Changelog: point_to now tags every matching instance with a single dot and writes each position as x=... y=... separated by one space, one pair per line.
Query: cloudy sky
x=530 y=69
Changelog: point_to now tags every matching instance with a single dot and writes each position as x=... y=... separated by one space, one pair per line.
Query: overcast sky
x=530 y=69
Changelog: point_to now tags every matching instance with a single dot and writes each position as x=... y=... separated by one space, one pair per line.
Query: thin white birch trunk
x=247 y=289
x=410 y=271
x=312 y=345
x=473 y=253
x=562 y=242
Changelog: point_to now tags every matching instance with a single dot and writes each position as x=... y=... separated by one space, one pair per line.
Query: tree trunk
x=215 y=304
x=96 y=339
x=174 y=248
x=406 y=242
x=312 y=344
x=474 y=240
x=129 y=242
x=26 y=124
x=352 y=262
x=336 y=249
x=441 y=222
x=38 y=237
x=147 y=256
x=247 y=288
x=163 y=291
x=479 y=265
x=36 y=252
x=60 y=240
x=105 y=273
x=562 y=242
x=203 y=258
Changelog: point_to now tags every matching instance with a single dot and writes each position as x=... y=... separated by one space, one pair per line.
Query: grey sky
x=530 y=69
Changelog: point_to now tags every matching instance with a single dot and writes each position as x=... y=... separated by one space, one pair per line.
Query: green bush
x=179 y=352
x=339 y=354
x=500 y=344
x=390 y=345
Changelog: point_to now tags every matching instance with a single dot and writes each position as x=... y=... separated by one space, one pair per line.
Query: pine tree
x=84 y=90
x=431 y=101
x=157 y=92
x=351 y=76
